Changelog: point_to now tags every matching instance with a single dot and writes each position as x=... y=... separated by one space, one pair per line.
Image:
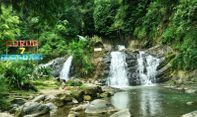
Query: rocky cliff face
x=132 y=67
x=163 y=70
x=102 y=61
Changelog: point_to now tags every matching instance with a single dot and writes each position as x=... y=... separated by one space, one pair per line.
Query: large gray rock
x=39 y=98
x=52 y=107
x=105 y=68
x=163 y=73
x=33 y=109
x=159 y=51
x=99 y=106
x=58 y=102
x=191 y=114
x=49 y=98
x=92 y=91
x=59 y=99
x=105 y=94
x=55 y=64
x=79 y=108
x=122 y=113
x=132 y=67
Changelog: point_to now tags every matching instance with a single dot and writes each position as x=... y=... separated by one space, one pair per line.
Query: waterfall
x=64 y=73
x=118 y=72
x=147 y=67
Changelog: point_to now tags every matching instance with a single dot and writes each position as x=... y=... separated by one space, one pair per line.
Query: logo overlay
x=22 y=54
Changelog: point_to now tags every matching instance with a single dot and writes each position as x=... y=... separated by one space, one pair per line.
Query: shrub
x=19 y=75
x=9 y=25
x=140 y=33
x=3 y=89
x=81 y=52
x=43 y=72
x=73 y=83
x=186 y=59
x=96 y=41
x=55 y=45
x=168 y=35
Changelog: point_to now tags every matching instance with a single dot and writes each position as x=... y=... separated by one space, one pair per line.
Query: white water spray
x=118 y=72
x=147 y=66
x=120 y=47
x=64 y=74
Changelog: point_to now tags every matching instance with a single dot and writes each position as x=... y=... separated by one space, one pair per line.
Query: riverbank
x=58 y=100
x=52 y=97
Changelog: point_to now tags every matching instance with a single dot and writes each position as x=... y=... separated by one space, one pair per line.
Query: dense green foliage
x=3 y=89
x=73 y=83
x=81 y=52
x=17 y=75
x=9 y=28
x=9 y=24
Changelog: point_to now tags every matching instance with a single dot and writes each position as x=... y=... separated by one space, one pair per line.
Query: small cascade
x=64 y=73
x=118 y=73
x=120 y=47
x=147 y=67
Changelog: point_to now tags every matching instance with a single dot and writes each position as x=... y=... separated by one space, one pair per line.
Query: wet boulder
x=106 y=66
x=92 y=91
x=52 y=107
x=61 y=101
x=39 y=98
x=99 y=106
x=33 y=109
x=81 y=107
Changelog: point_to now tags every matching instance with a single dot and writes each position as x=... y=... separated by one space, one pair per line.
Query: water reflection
x=121 y=100
x=150 y=102
x=143 y=101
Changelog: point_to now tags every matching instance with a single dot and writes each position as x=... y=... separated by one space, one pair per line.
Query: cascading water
x=118 y=73
x=120 y=47
x=64 y=74
x=147 y=66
